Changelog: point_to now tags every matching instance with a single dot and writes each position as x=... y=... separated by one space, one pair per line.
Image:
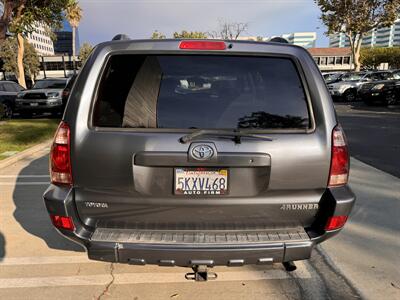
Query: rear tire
x=5 y=111
x=350 y=96
x=390 y=99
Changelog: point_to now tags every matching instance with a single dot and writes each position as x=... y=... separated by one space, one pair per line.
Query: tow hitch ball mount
x=200 y=273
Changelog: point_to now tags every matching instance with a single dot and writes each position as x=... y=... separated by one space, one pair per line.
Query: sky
x=103 y=19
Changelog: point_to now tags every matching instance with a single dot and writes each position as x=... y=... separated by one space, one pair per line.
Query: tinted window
x=8 y=87
x=17 y=87
x=50 y=84
x=12 y=87
x=378 y=76
x=201 y=92
x=396 y=75
x=352 y=76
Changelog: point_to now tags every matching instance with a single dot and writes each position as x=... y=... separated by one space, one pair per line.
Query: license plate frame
x=201 y=173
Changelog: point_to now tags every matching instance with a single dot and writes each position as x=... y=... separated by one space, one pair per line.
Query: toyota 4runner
x=199 y=153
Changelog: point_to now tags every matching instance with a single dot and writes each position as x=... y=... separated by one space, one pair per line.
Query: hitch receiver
x=289 y=266
x=200 y=273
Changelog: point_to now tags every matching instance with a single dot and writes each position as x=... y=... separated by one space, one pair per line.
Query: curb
x=23 y=154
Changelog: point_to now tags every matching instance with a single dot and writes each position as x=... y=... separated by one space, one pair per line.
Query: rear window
x=196 y=91
x=50 y=84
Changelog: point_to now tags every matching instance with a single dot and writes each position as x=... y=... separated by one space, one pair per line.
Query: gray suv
x=199 y=153
x=45 y=96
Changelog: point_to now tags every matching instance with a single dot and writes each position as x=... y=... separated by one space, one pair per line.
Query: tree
x=20 y=18
x=355 y=18
x=228 y=30
x=31 y=61
x=5 y=19
x=156 y=35
x=74 y=15
x=190 y=35
x=371 y=58
x=8 y=53
x=84 y=52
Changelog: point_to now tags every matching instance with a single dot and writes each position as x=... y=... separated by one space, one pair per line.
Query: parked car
x=8 y=94
x=385 y=91
x=332 y=77
x=12 y=77
x=45 y=96
x=67 y=90
x=347 y=88
x=183 y=153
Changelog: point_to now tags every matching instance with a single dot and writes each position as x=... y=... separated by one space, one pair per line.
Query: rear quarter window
x=199 y=91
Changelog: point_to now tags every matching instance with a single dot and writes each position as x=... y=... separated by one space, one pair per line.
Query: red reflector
x=60 y=164
x=335 y=222
x=202 y=45
x=62 y=222
x=339 y=171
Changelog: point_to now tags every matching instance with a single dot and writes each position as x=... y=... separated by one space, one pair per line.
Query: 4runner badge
x=306 y=206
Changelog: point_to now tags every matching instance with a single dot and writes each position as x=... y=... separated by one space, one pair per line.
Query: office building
x=332 y=59
x=63 y=44
x=40 y=39
x=304 y=39
x=380 y=37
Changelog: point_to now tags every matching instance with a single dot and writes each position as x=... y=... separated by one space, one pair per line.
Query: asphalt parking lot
x=37 y=263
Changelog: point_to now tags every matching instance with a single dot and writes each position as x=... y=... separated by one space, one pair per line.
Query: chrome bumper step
x=198 y=237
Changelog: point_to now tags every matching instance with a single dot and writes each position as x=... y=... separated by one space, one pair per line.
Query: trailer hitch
x=200 y=273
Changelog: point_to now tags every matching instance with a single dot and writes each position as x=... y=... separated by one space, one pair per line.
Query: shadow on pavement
x=375 y=107
x=374 y=139
x=2 y=247
x=30 y=211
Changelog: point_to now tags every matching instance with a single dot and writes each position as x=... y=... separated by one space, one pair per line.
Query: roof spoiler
x=121 y=37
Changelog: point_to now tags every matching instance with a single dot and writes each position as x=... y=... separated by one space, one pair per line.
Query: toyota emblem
x=202 y=152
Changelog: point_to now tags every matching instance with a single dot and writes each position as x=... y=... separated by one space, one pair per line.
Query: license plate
x=201 y=181
x=34 y=104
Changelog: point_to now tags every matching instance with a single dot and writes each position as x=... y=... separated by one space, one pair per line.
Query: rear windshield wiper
x=235 y=133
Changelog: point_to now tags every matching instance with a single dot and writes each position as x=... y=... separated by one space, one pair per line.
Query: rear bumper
x=178 y=255
x=60 y=201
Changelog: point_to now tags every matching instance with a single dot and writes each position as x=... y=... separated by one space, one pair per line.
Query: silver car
x=199 y=153
x=349 y=84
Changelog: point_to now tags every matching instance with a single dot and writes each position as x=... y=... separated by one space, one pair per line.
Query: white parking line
x=140 y=278
x=43 y=260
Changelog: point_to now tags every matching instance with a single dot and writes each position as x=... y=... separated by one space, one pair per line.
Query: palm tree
x=73 y=14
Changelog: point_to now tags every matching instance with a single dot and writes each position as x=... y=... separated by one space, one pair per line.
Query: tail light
x=60 y=162
x=65 y=93
x=202 y=45
x=62 y=222
x=339 y=171
x=335 y=222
